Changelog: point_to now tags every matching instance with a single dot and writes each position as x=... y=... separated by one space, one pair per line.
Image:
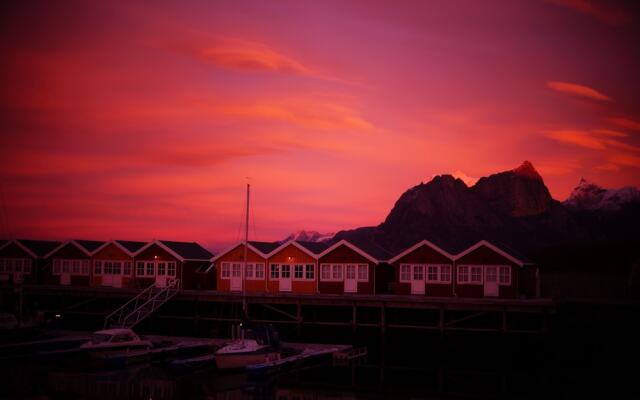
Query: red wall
x=292 y=254
x=68 y=252
x=112 y=252
x=150 y=254
x=344 y=255
x=483 y=255
x=424 y=255
x=237 y=255
x=12 y=250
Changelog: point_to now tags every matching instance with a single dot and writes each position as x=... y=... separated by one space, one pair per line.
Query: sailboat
x=256 y=344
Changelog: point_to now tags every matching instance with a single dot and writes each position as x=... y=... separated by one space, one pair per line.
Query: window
x=248 y=271
x=57 y=266
x=432 y=273
x=445 y=273
x=140 y=268
x=363 y=272
x=150 y=268
x=298 y=271
x=236 y=270
x=226 y=270
x=505 y=275
x=463 y=274
x=350 y=272
x=476 y=274
x=162 y=269
x=309 y=271
x=286 y=271
x=275 y=271
x=336 y=272
x=405 y=272
x=97 y=268
x=171 y=269
x=127 y=268
x=259 y=271
x=418 y=272
x=325 y=272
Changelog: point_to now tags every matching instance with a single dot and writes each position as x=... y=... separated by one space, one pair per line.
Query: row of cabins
x=115 y=263
x=482 y=270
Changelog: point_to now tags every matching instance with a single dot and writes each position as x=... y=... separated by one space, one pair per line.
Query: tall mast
x=244 y=257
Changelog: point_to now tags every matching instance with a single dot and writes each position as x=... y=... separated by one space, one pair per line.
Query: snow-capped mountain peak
x=309 y=236
x=590 y=196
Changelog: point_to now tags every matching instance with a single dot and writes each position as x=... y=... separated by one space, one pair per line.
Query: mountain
x=308 y=236
x=589 y=196
x=513 y=208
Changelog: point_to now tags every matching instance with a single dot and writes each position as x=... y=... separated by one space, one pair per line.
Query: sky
x=145 y=120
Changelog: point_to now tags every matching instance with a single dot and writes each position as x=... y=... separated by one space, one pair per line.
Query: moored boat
x=115 y=340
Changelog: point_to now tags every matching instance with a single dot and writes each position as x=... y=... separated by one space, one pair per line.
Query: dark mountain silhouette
x=513 y=208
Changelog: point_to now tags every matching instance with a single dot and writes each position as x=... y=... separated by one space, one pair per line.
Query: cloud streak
x=575 y=90
x=604 y=11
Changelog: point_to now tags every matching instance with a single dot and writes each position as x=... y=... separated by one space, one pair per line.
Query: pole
x=244 y=257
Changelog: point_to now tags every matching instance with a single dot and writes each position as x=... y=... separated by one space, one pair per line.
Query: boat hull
x=240 y=360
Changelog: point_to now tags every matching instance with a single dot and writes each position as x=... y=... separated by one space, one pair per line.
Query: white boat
x=118 y=339
x=257 y=344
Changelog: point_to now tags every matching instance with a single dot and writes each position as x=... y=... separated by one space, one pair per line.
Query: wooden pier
x=344 y=311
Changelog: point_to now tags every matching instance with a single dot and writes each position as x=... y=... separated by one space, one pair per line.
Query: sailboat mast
x=244 y=257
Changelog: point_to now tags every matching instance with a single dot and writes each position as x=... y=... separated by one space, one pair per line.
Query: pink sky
x=143 y=121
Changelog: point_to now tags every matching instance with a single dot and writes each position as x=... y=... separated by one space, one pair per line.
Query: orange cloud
x=304 y=112
x=578 y=138
x=626 y=123
x=626 y=160
x=609 y=132
x=573 y=89
x=604 y=11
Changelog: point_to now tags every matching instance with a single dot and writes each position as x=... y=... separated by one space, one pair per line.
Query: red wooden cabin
x=424 y=269
x=345 y=268
x=22 y=261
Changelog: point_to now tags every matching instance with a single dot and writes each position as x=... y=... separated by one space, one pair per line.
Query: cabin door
x=491 y=281
x=107 y=279
x=350 y=281
x=161 y=274
x=236 y=277
x=285 y=278
x=417 y=279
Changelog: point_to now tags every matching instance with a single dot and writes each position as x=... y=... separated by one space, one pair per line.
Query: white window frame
x=172 y=268
x=405 y=273
x=249 y=271
x=363 y=273
x=464 y=272
x=274 y=272
x=502 y=268
x=59 y=265
x=309 y=273
x=427 y=276
x=140 y=265
x=339 y=276
x=479 y=281
x=259 y=271
x=325 y=272
x=225 y=270
x=298 y=268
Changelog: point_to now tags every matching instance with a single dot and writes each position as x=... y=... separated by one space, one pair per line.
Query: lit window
x=275 y=271
x=162 y=268
x=298 y=271
x=505 y=275
x=363 y=272
x=310 y=271
x=325 y=272
x=151 y=268
x=405 y=272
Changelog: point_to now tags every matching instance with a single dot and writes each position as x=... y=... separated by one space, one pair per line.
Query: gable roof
x=353 y=247
x=417 y=246
x=129 y=245
x=90 y=245
x=74 y=243
x=39 y=248
x=260 y=248
x=6 y=243
x=314 y=247
x=295 y=244
x=183 y=251
x=511 y=257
